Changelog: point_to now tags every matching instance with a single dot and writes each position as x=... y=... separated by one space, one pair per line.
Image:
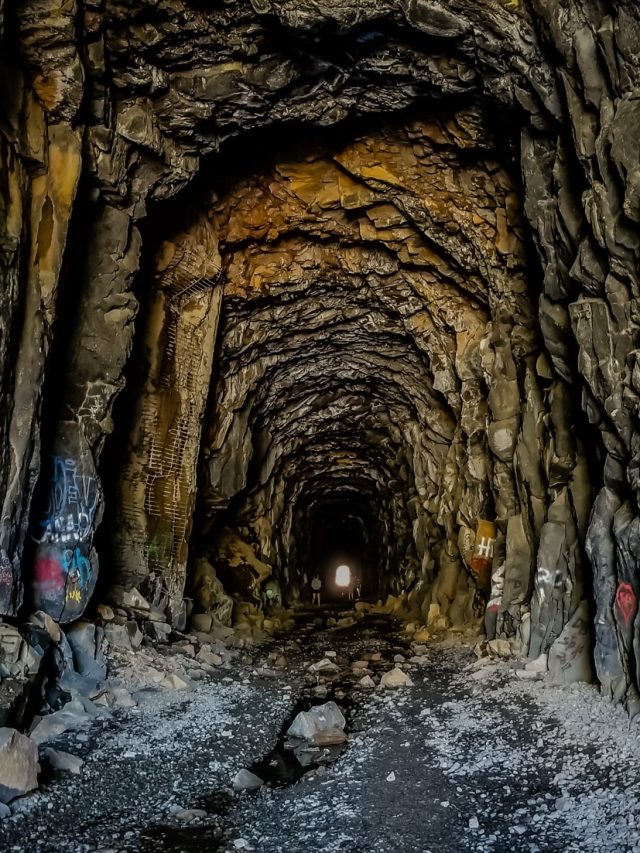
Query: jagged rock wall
x=129 y=99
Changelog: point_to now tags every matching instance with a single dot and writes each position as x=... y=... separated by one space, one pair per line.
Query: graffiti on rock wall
x=497 y=588
x=63 y=578
x=626 y=602
x=482 y=560
x=73 y=498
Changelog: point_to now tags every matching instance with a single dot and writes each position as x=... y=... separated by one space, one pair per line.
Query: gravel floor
x=451 y=764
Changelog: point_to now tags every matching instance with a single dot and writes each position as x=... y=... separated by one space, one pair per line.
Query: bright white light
x=343 y=576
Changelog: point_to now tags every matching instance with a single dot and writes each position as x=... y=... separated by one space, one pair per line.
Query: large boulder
x=238 y=566
x=18 y=765
x=209 y=594
x=85 y=640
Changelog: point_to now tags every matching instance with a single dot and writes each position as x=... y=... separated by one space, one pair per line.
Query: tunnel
x=292 y=287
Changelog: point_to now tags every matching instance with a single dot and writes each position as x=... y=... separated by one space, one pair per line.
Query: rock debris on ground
x=445 y=764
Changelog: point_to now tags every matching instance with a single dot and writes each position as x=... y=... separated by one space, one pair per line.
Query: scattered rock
x=210 y=658
x=174 y=682
x=105 y=612
x=62 y=760
x=135 y=634
x=367 y=682
x=85 y=640
x=18 y=765
x=73 y=716
x=245 y=780
x=158 y=631
x=189 y=815
x=117 y=636
x=44 y=621
x=395 y=678
x=325 y=665
x=321 y=718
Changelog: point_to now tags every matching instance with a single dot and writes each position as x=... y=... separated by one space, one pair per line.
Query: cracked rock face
x=284 y=281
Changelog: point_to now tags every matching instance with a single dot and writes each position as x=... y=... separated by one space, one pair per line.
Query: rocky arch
x=114 y=114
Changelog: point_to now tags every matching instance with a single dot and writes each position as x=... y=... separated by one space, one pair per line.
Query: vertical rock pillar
x=157 y=488
x=66 y=565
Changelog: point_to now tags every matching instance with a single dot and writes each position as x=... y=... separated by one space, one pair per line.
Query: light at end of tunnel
x=343 y=576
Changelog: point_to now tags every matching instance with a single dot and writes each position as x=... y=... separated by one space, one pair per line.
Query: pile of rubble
x=54 y=681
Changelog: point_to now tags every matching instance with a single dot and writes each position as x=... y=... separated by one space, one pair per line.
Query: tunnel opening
x=342 y=534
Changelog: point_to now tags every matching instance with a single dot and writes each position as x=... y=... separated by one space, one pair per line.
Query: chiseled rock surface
x=18 y=765
x=363 y=299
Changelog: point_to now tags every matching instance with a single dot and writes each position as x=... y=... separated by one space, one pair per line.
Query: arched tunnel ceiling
x=359 y=286
x=389 y=256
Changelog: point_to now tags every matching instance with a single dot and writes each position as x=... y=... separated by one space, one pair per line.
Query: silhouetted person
x=316 y=586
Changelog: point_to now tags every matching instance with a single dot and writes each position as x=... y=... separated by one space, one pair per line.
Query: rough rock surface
x=399 y=241
x=18 y=765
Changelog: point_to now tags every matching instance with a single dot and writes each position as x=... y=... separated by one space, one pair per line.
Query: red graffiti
x=626 y=602
x=48 y=576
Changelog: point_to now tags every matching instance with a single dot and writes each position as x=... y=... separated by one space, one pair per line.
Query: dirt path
x=451 y=764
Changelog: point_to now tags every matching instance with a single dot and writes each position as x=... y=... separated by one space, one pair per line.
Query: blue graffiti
x=77 y=566
x=73 y=499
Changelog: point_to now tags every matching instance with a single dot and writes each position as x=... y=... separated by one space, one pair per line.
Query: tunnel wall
x=107 y=114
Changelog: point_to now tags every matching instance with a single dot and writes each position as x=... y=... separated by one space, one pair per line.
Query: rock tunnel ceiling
x=410 y=312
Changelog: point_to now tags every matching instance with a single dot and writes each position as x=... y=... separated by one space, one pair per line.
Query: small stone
x=395 y=678
x=391 y=777
x=474 y=823
x=63 y=760
x=188 y=815
x=209 y=658
x=245 y=780
x=105 y=612
x=174 y=682
x=325 y=665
